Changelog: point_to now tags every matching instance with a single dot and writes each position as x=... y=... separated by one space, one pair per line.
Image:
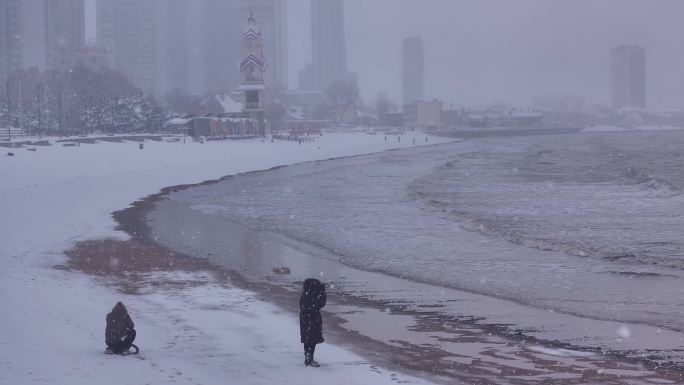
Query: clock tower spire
x=252 y=68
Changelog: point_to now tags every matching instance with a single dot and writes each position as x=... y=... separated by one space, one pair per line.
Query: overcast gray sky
x=507 y=50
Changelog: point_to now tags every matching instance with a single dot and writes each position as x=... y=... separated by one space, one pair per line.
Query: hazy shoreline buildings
x=629 y=77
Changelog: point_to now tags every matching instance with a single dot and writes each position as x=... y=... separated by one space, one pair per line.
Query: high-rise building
x=175 y=46
x=32 y=32
x=197 y=43
x=329 y=47
x=65 y=27
x=127 y=29
x=192 y=45
x=629 y=76
x=10 y=38
x=219 y=46
x=412 y=70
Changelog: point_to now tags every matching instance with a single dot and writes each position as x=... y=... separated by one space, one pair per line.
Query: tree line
x=82 y=100
x=78 y=100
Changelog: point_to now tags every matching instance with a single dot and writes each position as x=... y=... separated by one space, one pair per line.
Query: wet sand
x=400 y=332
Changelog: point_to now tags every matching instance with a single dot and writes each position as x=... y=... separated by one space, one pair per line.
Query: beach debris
x=282 y=270
x=10 y=154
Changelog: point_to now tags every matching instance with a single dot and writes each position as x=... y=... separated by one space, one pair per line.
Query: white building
x=629 y=77
x=412 y=69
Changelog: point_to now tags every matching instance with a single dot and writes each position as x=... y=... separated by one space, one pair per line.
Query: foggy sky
x=480 y=51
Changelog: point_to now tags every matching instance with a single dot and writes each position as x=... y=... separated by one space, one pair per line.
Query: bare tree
x=342 y=96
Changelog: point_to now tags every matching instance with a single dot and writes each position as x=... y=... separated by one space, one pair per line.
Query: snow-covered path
x=52 y=324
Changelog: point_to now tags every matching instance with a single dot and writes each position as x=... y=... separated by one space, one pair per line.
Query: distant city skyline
x=482 y=51
x=167 y=45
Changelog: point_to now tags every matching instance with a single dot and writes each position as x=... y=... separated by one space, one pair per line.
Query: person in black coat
x=310 y=321
x=120 y=332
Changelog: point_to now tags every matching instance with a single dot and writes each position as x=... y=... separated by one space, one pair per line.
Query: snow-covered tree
x=78 y=100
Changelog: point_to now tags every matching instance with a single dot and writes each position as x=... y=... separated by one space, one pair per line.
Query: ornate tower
x=252 y=68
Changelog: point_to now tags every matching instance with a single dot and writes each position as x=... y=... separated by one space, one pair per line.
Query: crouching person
x=120 y=332
x=310 y=321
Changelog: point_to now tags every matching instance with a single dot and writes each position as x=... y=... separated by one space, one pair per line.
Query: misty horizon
x=500 y=51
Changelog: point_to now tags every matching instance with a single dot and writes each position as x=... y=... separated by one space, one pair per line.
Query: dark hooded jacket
x=119 y=325
x=310 y=304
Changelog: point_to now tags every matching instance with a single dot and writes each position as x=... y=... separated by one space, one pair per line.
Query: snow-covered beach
x=207 y=333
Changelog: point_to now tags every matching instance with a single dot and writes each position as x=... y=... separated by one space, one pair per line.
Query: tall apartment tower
x=412 y=70
x=329 y=47
x=629 y=76
x=126 y=28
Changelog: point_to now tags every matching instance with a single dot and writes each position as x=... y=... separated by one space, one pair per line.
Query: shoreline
x=133 y=221
x=555 y=321
x=103 y=259
x=56 y=323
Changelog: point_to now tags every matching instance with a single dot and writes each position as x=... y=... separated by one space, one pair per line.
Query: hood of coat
x=313 y=286
x=119 y=308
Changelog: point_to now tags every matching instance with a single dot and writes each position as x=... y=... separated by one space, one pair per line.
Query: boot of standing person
x=311 y=302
